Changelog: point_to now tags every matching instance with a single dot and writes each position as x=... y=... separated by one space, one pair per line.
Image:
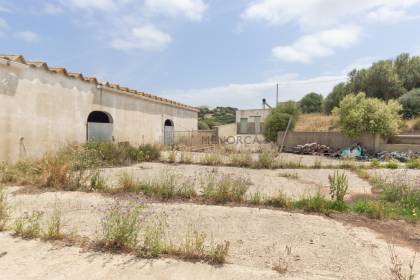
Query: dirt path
x=322 y=248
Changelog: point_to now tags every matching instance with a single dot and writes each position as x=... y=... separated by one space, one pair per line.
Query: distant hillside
x=209 y=118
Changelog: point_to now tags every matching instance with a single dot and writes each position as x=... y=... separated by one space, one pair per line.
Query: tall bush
x=279 y=118
x=311 y=103
x=411 y=103
x=358 y=114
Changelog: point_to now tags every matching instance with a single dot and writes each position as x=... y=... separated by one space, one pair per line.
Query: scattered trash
x=312 y=149
x=400 y=156
x=355 y=151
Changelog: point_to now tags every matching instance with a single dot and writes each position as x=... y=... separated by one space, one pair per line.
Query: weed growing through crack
x=28 y=226
x=282 y=265
x=225 y=188
x=155 y=243
x=339 y=185
x=413 y=163
x=97 y=182
x=256 y=198
x=172 y=156
x=212 y=159
x=186 y=158
x=392 y=164
x=120 y=227
x=396 y=268
x=193 y=248
x=241 y=160
x=375 y=163
x=127 y=183
x=54 y=225
x=4 y=209
x=266 y=160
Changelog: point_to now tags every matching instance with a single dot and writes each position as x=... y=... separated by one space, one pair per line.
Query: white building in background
x=44 y=108
x=251 y=121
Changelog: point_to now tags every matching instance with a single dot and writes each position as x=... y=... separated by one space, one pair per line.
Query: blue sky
x=212 y=52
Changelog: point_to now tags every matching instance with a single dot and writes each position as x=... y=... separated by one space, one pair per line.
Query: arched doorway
x=168 y=133
x=99 y=126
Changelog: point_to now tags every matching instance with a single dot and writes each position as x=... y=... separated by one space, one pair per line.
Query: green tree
x=311 y=103
x=383 y=82
x=278 y=119
x=408 y=70
x=358 y=114
x=202 y=125
x=334 y=98
x=410 y=103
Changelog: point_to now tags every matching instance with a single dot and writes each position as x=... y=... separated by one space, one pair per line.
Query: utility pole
x=277 y=95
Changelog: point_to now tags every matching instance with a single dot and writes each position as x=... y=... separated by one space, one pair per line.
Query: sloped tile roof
x=79 y=76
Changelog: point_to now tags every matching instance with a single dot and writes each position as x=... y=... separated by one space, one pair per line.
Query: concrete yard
x=321 y=247
x=295 y=183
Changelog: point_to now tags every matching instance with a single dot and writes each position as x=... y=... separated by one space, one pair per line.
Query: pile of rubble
x=312 y=149
x=355 y=151
x=400 y=156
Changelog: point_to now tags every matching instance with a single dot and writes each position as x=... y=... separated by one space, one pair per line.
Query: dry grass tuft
x=282 y=265
x=4 y=209
x=396 y=266
x=316 y=123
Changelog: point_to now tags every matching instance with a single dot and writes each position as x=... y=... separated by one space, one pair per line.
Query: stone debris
x=312 y=149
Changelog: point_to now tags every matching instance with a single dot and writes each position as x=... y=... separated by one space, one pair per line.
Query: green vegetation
x=75 y=167
x=410 y=103
x=225 y=188
x=120 y=227
x=279 y=117
x=358 y=114
x=54 y=224
x=209 y=118
x=193 y=248
x=388 y=79
x=4 y=209
x=338 y=186
x=28 y=226
x=334 y=98
x=311 y=103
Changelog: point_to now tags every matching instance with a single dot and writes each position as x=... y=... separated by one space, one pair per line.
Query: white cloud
x=250 y=95
x=53 y=9
x=3 y=24
x=146 y=37
x=3 y=28
x=27 y=36
x=320 y=44
x=322 y=13
x=91 y=4
x=192 y=9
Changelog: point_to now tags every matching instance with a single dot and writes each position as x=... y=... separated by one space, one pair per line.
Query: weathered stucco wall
x=335 y=140
x=263 y=113
x=226 y=130
x=41 y=111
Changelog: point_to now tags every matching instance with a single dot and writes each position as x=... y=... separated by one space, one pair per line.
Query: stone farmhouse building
x=43 y=108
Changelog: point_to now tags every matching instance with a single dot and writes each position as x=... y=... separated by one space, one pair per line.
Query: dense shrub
x=334 y=98
x=311 y=103
x=410 y=103
x=358 y=114
x=279 y=119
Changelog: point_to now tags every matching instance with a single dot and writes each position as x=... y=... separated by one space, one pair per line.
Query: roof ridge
x=79 y=76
